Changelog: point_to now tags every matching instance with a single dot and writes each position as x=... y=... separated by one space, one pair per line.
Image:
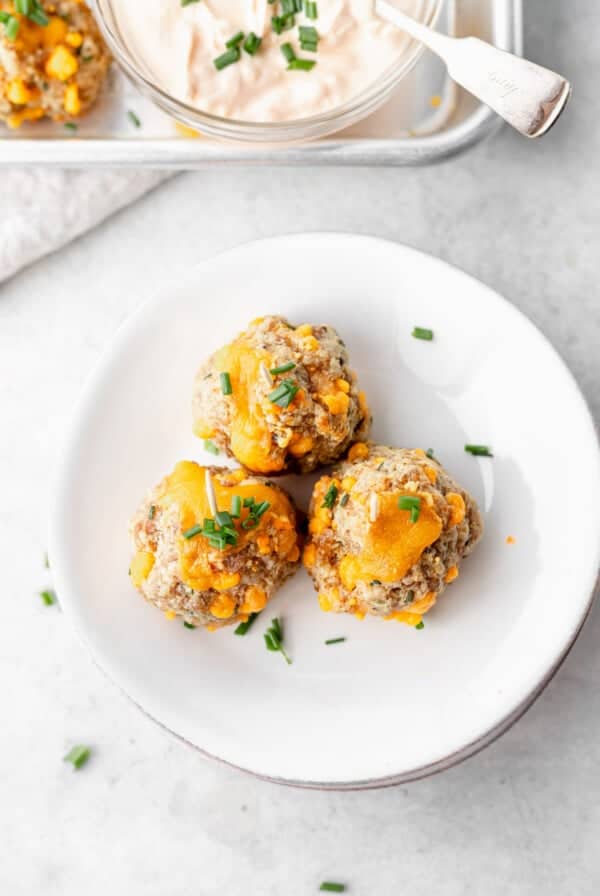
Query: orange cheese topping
x=457 y=508
x=185 y=488
x=140 y=567
x=392 y=544
x=251 y=440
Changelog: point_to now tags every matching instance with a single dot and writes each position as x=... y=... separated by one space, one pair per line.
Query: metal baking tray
x=426 y=120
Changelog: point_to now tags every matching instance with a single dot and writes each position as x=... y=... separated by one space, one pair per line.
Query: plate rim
x=62 y=473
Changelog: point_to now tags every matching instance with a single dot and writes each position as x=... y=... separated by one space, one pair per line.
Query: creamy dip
x=176 y=46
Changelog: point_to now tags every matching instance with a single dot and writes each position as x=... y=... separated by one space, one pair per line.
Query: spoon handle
x=527 y=96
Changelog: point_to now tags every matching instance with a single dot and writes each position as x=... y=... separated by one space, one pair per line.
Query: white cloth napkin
x=42 y=210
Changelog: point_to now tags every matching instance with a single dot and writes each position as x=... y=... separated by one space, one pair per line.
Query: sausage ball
x=53 y=61
x=388 y=531
x=281 y=397
x=212 y=545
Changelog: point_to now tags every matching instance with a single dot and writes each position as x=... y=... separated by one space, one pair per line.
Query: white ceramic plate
x=391 y=703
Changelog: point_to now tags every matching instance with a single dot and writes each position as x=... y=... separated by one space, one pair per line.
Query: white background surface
x=148 y=817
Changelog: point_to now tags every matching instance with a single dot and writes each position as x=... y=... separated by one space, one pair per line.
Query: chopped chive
x=248 y=502
x=282 y=23
x=261 y=508
x=288 y=51
x=301 y=65
x=311 y=10
x=407 y=502
x=11 y=25
x=479 y=450
x=374 y=582
x=329 y=887
x=209 y=526
x=34 y=11
x=188 y=2
x=309 y=33
x=330 y=496
x=344 y=499
x=250 y=523
x=410 y=596
x=335 y=640
x=274 y=639
x=235 y=40
x=48 y=597
x=430 y=453
x=288 y=7
x=222 y=518
x=309 y=47
x=423 y=333
x=420 y=625
x=253 y=42
x=191 y=533
x=244 y=627
x=236 y=506
x=221 y=62
x=134 y=119
x=209 y=445
x=226 y=387
x=283 y=368
x=70 y=126
x=152 y=512
x=286 y=391
x=78 y=756
x=188 y=625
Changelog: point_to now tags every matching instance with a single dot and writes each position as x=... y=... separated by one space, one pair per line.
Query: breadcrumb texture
x=360 y=551
x=237 y=581
x=54 y=71
x=327 y=413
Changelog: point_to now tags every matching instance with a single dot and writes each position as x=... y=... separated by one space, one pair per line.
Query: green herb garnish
x=244 y=627
x=226 y=387
x=235 y=40
x=430 y=454
x=407 y=502
x=330 y=496
x=11 y=25
x=78 y=756
x=191 y=533
x=479 y=450
x=221 y=62
x=209 y=445
x=301 y=65
x=134 y=119
x=329 y=887
x=48 y=597
x=283 y=368
x=282 y=23
x=344 y=499
x=236 y=506
x=374 y=582
x=70 y=126
x=423 y=333
x=255 y=511
x=335 y=640
x=152 y=512
x=33 y=10
x=252 y=43
x=188 y=2
x=311 y=10
x=309 y=37
x=274 y=639
x=288 y=51
x=286 y=391
x=188 y=625
x=420 y=625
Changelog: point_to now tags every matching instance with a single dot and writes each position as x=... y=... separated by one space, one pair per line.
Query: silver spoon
x=527 y=96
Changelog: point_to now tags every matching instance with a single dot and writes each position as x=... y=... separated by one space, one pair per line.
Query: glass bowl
x=283 y=133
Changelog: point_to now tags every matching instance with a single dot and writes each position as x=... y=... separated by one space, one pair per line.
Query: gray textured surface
x=148 y=817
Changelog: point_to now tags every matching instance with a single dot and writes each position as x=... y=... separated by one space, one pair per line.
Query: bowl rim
x=419 y=771
x=290 y=131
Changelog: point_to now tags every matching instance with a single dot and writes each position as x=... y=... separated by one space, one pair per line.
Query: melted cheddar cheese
x=185 y=488
x=392 y=544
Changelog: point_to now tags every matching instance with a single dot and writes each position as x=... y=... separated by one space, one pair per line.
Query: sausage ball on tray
x=281 y=398
x=213 y=545
x=388 y=531
x=53 y=61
